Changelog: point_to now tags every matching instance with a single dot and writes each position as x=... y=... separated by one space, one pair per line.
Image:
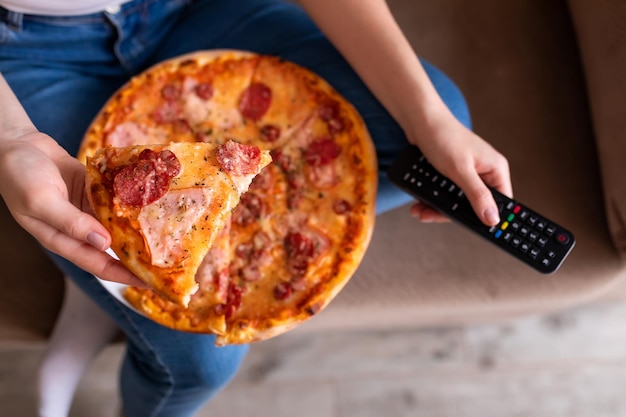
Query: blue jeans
x=63 y=69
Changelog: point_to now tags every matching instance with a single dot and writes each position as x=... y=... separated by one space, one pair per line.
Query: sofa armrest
x=601 y=31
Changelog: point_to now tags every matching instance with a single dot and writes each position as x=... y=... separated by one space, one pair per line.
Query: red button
x=562 y=238
x=517 y=209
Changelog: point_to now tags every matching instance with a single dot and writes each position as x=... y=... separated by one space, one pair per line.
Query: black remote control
x=522 y=232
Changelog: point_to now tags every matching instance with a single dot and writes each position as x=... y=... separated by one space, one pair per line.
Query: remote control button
x=551 y=254
x=451 y=188
x=532 y=236
x=515 y=226
x=545 y=262
x=507 y=236
x=562 y=238
x=498 y=234
x=523 y=231
x=541 y=225
x=542 y=241
x=524 y=247
x=550 y=230
x=517 y=209
x=406 y=176
x=532 y=220
x=504 y=225
x=515 y=242
x=510 y=205
x=523 y=215
x=510 y=217
x=534 y=252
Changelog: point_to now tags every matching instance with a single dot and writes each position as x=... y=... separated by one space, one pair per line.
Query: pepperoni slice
x=270 y=133
x=233 y=300
x=170 y=92
x=282 y=291
x=322 y=152
x=281 y=159
x=248 y=210
x=165 y=160
x=341 y=206
x=299 y=245
x=255 y=101
x=146 y=180
x=329 y=112
x=238 y=159
x=204 y=91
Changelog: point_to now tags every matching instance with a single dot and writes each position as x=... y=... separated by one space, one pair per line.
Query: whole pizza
x=300 y=231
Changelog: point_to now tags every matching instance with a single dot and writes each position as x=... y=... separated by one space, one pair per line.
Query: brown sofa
x=544 y=81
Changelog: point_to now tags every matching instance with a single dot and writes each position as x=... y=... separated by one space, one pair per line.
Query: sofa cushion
x=601 y=31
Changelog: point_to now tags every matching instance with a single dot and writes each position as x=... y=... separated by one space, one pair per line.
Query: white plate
x=115 y=288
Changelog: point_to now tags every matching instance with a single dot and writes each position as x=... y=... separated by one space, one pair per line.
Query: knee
x=449 y=93
x=209 y=371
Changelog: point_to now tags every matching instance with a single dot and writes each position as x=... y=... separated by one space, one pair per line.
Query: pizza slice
x=165 y=205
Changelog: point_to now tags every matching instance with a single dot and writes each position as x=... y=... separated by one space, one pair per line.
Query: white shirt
x=62 y=7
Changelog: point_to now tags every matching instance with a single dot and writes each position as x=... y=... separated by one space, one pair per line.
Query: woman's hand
x=43 y=187
x=465 y=158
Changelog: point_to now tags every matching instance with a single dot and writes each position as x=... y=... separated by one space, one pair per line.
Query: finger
x=65 y=217
x=480 y=197
x=84 y=255
x=499 y=177
x=427 y=214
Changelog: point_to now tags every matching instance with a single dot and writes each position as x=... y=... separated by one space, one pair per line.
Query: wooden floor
x=567 y=365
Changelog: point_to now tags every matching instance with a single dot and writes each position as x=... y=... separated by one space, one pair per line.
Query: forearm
x=367 y=35
x=14 y=122
x=16 y=125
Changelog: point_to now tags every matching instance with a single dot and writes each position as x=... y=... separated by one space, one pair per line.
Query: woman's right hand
x=44 y=189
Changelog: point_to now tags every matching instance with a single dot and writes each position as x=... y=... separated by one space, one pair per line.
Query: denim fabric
x=63 y=69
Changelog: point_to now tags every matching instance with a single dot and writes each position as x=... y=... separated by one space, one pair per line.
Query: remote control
x=522 y=232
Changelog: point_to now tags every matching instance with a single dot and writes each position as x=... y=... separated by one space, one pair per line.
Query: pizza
x=301 y=230
x=165 y=205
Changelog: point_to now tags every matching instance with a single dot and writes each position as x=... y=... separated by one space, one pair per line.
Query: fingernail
x=97 y=240
x=491 y=216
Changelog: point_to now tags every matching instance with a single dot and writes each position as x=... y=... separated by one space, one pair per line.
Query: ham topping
x=166 y=222
x=128 y=134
